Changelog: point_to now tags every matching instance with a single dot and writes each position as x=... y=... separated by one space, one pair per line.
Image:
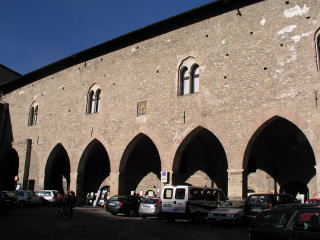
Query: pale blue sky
x=35 y=33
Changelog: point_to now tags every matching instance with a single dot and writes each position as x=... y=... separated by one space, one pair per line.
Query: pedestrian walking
x=59 y=204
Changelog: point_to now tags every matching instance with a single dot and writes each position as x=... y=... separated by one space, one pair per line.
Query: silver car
x=150 y=207
x=27 y=198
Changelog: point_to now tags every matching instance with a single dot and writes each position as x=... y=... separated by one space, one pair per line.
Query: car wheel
x=143 y=216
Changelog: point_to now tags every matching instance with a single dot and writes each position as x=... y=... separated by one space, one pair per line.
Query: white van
x=188 y=202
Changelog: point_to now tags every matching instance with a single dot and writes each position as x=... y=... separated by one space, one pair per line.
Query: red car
x=313 y=201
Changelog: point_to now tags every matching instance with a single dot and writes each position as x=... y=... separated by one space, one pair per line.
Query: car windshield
x=255 y=199
x=150 y=201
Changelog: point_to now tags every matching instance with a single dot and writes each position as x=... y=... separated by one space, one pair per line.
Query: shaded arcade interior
x=140 y=161
x=9 y=164
x=201 y=152
x=93 y=169
x=57 y=171
x=280 y=149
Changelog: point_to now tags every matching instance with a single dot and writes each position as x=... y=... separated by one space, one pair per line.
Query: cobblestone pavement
x=95 y=223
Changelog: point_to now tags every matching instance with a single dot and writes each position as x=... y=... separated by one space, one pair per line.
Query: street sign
x=164 y=176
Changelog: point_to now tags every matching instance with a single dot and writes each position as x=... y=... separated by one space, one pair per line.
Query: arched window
x=195 y=79
x=185 y=81
x=33 y=114
x=93 y=101
x=318 y=50
x=97 y=98
x=188 y=77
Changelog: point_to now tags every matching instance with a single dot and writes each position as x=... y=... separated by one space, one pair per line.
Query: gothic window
x=317 y=43
x=93 y=101
x=33 y=114
x=195 y=79
x=188 y=77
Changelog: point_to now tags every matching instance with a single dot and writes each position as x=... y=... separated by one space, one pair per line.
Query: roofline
x=9 y=69
x=181 y=20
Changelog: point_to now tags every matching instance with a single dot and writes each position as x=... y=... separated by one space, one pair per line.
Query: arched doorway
x=140 y=158
x=93 y=169
x=201 y=154
x=57 y=171
x=9 y=164
x=280 y=149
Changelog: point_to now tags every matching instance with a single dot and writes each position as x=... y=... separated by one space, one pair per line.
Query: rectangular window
x=307 y=221
x=168 y=193
x=180 y=193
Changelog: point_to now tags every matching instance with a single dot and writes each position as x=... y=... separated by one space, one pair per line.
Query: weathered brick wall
x=252 y=67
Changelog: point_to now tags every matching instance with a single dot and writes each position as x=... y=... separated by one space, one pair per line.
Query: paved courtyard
x=96 y=223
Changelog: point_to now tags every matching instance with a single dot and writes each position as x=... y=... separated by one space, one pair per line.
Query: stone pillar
x=235 y=183
x=317 y=194
x=24 y=151
x=114 y=183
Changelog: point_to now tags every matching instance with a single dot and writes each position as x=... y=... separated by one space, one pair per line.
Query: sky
x=35 y=33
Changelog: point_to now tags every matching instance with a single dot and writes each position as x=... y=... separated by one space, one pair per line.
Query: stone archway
x=57 y=171
x=93 y=169
x=9 y=164
x=140 y=158
x=201 y=151
x=280 y=149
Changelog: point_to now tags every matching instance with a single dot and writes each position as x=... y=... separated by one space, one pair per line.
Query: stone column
x=114 y=183
x=23 y=149
x=235 y=183
x=317 y=167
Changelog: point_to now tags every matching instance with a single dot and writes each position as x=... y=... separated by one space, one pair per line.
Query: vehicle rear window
x=150 y=201
x=168 y=193
x=115 y=198
x=273 y=220
x=253 y=200
x=180 y=193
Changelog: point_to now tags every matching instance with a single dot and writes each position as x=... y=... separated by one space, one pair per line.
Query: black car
x=128 y=205
x=255 y=203
x=299 y=222
x=5 y=203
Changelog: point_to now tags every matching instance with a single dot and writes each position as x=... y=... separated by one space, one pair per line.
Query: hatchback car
x=48 y=195
x=150 y=207
x=128 y=205
x=27 y=198
x=257 y=202
x=226 y=213
x=300 y=222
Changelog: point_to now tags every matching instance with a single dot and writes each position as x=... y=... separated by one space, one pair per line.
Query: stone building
x=223 y=95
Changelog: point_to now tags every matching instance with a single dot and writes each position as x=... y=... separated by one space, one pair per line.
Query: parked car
x=13 y=199
x=4 y=203
x=27 y=198
x=255 y=203
x=49 y=196
x=128 y=205
x=313 y=201
x=150 y=207
x=287 y=222
x=226 y=213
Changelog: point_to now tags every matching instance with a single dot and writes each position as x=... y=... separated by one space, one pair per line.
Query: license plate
x=112 y=204
x=167 y=205
x=218 y=219
x=255 y=210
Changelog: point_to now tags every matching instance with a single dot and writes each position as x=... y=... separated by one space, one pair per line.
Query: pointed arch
x=140 y=158
x=201 y=151
x=57 y=170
